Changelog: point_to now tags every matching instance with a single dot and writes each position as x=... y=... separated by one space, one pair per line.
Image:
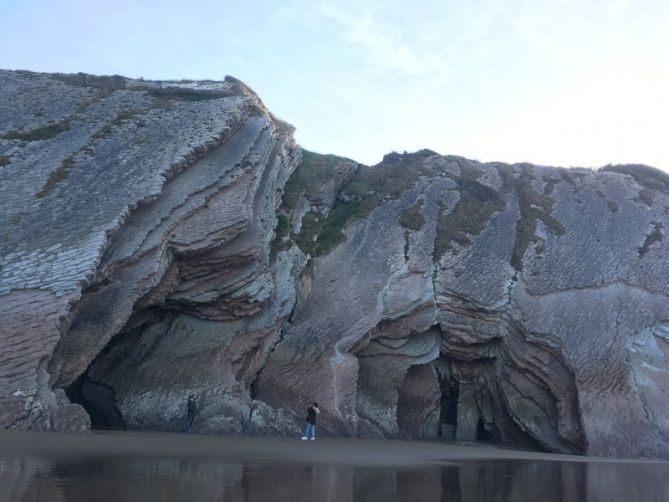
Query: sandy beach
x=125 y=465
x=334 y=451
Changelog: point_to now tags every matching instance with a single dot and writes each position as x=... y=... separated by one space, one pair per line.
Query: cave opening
x=407 y=388
x=483 y=433
x=418 y=403
x=448 y=417
x=98 y=400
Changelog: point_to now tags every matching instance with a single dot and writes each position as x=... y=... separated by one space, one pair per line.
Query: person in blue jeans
x=312 y=413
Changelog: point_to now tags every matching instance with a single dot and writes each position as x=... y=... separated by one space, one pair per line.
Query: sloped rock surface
x=163 y=239
x=119 y=218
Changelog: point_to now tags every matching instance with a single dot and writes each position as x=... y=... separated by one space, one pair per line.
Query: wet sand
x=170 y=467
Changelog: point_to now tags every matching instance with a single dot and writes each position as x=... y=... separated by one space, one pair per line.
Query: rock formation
x=166 y=238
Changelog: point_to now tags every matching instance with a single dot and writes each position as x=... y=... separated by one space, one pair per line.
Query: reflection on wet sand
x=146 y=479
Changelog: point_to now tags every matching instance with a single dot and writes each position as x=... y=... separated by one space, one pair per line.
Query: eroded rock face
x=163 y=239
x=142 y=208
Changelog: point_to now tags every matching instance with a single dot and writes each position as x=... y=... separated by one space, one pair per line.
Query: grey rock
x=162 y=239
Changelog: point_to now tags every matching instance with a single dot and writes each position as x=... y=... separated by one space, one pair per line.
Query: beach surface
x=134 y=466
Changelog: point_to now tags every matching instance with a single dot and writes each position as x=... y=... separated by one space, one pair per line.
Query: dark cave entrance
x=418 y=403
x=457 y=396
x=470 y=400
x=448 y=416
x=98 y=400
x=483 y=433
x=451 y=399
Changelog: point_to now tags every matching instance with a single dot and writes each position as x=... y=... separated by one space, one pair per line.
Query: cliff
x=166 y=238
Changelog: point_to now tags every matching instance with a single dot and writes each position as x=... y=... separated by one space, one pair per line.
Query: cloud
x=384 y=47
x=374 y=37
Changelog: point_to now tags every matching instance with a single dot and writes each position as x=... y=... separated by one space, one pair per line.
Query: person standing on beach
x=191 y=409
x=312 y=413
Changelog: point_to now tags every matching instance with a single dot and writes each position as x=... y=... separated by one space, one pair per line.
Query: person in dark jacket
x=312 y=413
x=191 y=409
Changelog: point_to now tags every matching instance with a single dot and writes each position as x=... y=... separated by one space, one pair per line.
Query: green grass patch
x=57 y=175
x=471 y=214
x=106 y=84
x=39 y=134
x=368 y=188
x=319 y=235
x=646 y=176
x=121 y=117
x=412 y=217
x=533 y=207
x=646 y=197
x=189 y=94
x=162 y=103
x=282 y=232
x=571 y=177
x=314 y=171
x=309 y=230
x=550 y=184
x=613 y=206
x=653 y=237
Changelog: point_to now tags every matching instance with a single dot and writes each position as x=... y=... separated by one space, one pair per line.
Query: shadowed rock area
x=161 y=239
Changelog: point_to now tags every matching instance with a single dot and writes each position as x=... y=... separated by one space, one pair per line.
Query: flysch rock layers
x=125 y=202
x=162 y=239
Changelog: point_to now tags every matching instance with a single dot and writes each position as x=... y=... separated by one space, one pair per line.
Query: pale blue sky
x=571 y=82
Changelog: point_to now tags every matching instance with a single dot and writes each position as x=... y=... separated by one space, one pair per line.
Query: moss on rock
x=649 y=177
x=57 y=175
x=282 y=232
x=533 y=207
x=367 y=189
x=39 y=134
x=313 y=172
x=471 y=214
x=412 y=217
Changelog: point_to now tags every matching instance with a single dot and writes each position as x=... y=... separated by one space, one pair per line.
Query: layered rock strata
x=128 y=203
x=162 y=239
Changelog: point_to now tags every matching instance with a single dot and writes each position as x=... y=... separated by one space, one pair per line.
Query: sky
x=567 y=83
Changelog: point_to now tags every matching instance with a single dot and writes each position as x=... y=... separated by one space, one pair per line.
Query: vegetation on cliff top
x=372 y=186
x=190 y=94
x=646 y=176
x=314 y=171
x=104 y=83
x=366 y=190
